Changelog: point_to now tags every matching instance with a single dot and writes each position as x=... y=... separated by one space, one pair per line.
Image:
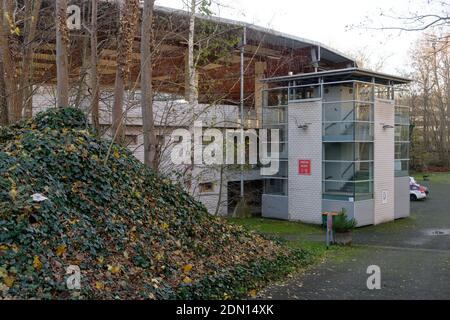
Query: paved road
x=413 y=257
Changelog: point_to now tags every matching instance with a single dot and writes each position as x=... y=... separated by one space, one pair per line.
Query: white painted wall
x=384 y=161
x=305 y=192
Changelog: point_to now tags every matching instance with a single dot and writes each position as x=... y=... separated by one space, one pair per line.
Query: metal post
x=244 y=42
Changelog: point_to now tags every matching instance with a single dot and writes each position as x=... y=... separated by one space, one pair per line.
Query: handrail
x=349 y=166
x=351 y=111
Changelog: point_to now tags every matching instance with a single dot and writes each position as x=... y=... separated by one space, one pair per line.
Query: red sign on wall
x=304 y=167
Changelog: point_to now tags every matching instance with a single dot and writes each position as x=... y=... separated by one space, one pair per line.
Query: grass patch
x=389 y=227
x=438 y=177
x=295 y=235
x=276 y=227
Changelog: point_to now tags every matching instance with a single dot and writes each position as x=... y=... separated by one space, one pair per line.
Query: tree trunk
x=3 y=102
x=146 y=85
x=192 y=86
x=62 y=42
x=128 y=16
x=94 y=71
x=11 y=78
x=32 y=14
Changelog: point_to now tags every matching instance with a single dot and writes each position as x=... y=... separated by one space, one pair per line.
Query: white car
x=417 y=192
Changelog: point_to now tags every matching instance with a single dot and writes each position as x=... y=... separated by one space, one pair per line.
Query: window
x=275 y=97
x=304 y=92
x=347 y=151
x=275 y=187
x=401 y=166
x=348 y=131
x=206 y=187
x=131 y=139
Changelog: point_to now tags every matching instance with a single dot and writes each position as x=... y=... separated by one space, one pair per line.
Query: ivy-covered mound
x=132 y=233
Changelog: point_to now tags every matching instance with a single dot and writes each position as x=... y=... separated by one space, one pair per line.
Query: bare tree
x=62 y=43
x=146 y=85
x=8 y=48
x=128 y=21
x=32 y=9
x=431 y=103
x=94 y=80
x=3 y=102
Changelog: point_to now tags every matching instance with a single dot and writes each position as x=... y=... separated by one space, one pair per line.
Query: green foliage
x=133 y=233
x=341 y=222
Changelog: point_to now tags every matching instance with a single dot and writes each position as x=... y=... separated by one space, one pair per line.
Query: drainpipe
x=243 y=43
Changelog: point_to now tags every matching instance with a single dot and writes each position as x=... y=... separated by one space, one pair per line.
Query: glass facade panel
x=347 y=151
x=304 y=92
x=275 y=187
x=402 y=150
x=363 y=92
x=348 y=171
x=401 y=168
x=347 y=111
x=348 y=141
x=338 y=92
x=275 y=97
x=402 y=133
x=282 y=169
x=402 y=115
x=274 y=115
x=347 y=131
x=346 y=190
x=384 y=92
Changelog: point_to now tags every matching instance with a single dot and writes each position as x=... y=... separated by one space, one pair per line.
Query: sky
x=328 y=21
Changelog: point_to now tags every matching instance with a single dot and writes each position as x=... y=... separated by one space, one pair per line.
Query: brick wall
x=305 y=192
x=384 y=161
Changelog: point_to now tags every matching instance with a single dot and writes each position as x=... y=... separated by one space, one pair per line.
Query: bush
x=132 y=233
x=341 y=222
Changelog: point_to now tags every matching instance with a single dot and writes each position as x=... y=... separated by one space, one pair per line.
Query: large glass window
x=347 y=111
x=402 y=115
x=348 y=190
x=275 y=97
x=338 y=92
x=275 y=187
x=347 y=151
x=363 y=91
x=348 y=171
x=401 y=139
x=304 y=92
x=348 y=141
x=347 y=131
x=275 y=115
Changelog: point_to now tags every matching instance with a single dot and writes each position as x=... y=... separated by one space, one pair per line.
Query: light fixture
x=304 y=126
x=387 y=126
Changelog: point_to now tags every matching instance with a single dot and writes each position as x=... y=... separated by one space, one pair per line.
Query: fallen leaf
x=114 y=269
x=8 y=281
x=187 y=268
x=37 y=263
x=60 y=250
x=13 y=193
x=187 y=280
x=99 y=285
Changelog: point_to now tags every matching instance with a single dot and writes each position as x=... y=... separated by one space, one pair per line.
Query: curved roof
x=271 y=36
